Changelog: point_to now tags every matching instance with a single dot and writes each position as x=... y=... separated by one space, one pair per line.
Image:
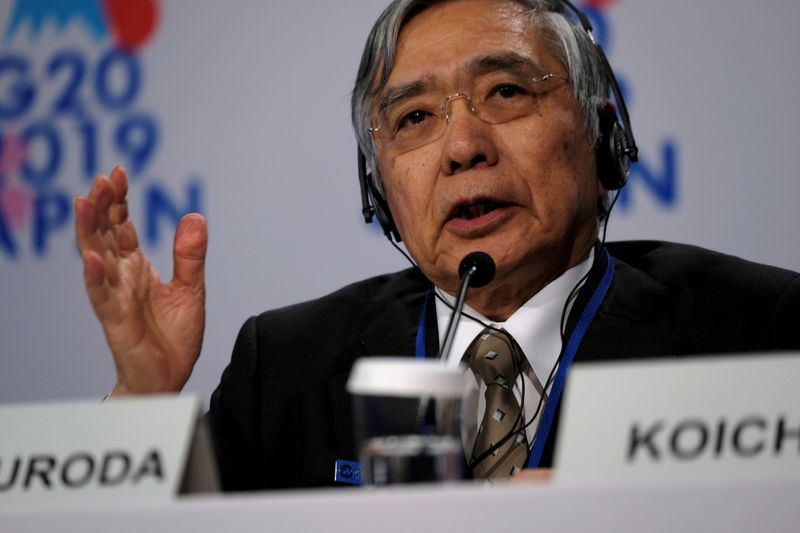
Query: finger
x=85 y=221
x=102 y=244
x=539 y=475
x=127 y=239
x=119 y=179
x=86 y=216
x=118 y=212
x=93 y=272
x=88 y=231
x=189 y=251
x=101 y=195
x=125 y=230
x=98 y=290
x=86 y=224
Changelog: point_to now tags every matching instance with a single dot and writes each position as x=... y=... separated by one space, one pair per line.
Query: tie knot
x=495 y=357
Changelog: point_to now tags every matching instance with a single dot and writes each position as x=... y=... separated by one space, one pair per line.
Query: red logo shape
x=132 y=22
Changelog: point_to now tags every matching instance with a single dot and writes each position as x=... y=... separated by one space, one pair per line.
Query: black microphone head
x=484 y=268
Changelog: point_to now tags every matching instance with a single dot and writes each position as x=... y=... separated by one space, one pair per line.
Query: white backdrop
x=241 y=109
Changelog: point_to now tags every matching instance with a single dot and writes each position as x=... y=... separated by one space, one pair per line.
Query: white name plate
x=145 y=448
x=707 y=418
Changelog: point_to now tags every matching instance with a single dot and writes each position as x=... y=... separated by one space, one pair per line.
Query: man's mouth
x=475 y=210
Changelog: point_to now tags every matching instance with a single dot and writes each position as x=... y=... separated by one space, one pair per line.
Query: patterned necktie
x=498 y=360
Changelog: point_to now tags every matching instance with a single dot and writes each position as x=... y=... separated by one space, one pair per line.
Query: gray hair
x=565 y=40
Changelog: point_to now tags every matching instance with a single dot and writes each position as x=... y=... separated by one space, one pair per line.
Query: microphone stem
x=444 y=351
x=475 y=260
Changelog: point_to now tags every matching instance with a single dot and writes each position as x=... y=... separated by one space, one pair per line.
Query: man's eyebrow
x=392 y=95
x=508 y=61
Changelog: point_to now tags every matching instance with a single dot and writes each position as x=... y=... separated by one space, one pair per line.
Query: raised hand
x=154 y=329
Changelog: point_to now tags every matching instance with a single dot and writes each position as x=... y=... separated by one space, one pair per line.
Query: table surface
x=772 y=505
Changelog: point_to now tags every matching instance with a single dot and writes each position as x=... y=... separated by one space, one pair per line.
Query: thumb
x=189 y=250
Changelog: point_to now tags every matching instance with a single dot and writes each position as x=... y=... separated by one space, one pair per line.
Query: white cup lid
x=405 y=377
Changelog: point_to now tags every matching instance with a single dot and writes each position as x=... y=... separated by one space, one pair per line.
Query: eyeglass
x=410 y=122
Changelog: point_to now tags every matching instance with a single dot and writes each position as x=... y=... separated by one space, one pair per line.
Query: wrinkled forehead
x=453 y=42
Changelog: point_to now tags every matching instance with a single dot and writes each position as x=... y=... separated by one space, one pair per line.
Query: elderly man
x=485 y=126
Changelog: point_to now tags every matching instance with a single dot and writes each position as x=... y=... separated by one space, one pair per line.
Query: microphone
x=479 y=266
x=475 y=270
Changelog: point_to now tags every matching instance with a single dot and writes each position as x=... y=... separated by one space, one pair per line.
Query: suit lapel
x=622 y=328
x=391 y=321
x=388 y=326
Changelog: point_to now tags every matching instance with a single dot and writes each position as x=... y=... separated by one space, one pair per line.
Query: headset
x=615 y=151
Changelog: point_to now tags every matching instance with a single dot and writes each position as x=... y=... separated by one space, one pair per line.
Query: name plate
x=706 y=418
x=145 y=448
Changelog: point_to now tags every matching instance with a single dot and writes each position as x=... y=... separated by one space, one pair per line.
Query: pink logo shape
x=16 y=198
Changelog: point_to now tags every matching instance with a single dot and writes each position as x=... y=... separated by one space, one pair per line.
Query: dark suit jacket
x=281 y=415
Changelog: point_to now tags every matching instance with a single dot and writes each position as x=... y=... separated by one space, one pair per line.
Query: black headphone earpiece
x=616 y=148
x=373 y=203
x=613 y=162
x=383 y=213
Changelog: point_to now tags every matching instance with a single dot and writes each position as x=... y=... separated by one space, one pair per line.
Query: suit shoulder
x=672 y=263
x=351 y=299
x=712 y=302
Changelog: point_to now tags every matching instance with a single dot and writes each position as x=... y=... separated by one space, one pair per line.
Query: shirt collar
x=535 y=325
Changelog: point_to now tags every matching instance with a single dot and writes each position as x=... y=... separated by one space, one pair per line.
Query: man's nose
x=468 y=140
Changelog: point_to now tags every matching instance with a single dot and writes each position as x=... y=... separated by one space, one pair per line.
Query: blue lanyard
x=574 y=342
x=421 y=350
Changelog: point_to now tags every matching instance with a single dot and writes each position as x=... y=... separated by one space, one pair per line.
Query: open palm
x=154 y=329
